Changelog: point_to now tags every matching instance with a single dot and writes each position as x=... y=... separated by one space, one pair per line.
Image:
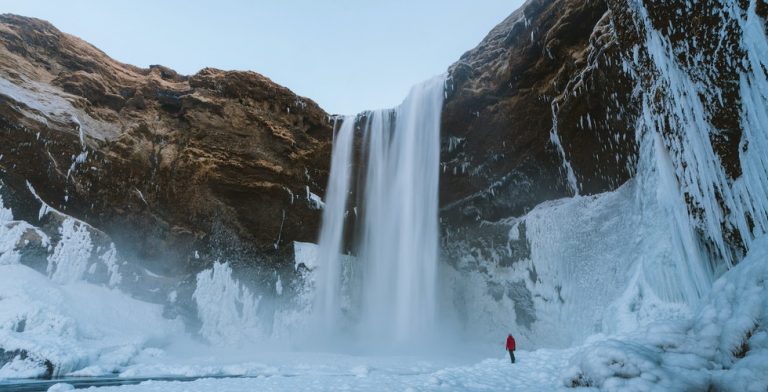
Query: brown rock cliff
x=219 y=163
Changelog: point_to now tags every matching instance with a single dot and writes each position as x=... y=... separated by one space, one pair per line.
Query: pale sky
x=347 y=55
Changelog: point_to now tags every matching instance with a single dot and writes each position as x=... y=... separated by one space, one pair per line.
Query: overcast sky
x=348 y=55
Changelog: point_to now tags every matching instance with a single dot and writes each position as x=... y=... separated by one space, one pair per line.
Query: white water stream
x=397 y=232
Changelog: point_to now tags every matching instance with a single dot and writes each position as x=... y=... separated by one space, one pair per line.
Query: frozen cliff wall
x=575 y=98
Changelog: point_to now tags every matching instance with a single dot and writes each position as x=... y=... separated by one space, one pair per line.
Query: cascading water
x=400 y=226
x=397 y=235
x=327 y=308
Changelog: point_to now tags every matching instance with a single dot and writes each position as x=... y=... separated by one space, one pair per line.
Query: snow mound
x=723 y=347
x=57 y=329
x=61 y=387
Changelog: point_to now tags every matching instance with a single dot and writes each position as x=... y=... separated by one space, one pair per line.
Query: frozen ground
x=88 y=330
x=534 y=371
x=81 y=329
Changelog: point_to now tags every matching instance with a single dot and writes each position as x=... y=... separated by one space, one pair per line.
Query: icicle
x=555 y=139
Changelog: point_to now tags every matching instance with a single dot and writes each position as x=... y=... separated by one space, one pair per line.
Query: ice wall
x=715 y=217
x=723 y=346
x=568 y=269
x=678 y=116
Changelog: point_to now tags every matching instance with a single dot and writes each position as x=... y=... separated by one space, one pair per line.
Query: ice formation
x=555 y=140
x=78 y=328
x=59 y=324
x=227 y=309
x=724 y=204
x=724 y=346
x=70 y=258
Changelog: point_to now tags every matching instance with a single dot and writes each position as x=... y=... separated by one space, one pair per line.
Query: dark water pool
x=31 y=385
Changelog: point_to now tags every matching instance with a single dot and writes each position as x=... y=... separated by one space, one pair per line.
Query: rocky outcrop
x=528 y=108
x=177 y=170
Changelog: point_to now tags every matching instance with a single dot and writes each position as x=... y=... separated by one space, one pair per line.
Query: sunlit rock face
x=177 y=170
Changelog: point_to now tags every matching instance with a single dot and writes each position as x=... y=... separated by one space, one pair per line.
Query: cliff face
x=556 y=100
x=178 y=170
x=542 y=86
x=541 y=109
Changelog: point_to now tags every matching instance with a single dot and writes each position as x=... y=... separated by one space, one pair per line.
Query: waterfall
x=396 y=234
x=400 y=234
x=327 y=308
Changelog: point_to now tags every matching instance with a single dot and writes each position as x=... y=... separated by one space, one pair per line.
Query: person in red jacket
x=511 y=347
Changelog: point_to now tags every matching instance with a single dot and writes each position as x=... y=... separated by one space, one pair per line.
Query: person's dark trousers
x=512 y=355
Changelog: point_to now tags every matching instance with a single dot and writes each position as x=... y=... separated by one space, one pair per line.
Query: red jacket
x=510 y=343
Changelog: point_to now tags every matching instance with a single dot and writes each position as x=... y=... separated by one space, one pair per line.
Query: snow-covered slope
x=73 y=328
x=67 y=317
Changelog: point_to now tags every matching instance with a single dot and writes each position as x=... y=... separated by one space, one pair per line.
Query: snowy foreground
x=88 y=331
x=62 y=325
x=723 y=346
x=535 y=371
